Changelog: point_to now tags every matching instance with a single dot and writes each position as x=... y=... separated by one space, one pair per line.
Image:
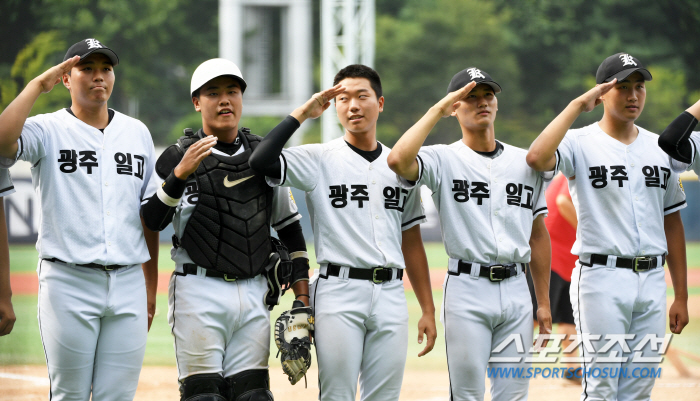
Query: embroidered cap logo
x=93 y=44
x=627 y=60
x=475 y=73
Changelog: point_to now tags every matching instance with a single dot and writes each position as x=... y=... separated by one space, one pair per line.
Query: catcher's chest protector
x=229 y=229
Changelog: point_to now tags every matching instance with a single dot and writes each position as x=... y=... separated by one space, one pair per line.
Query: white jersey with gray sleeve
x=91 y=185
x=357 y=208
x=486 y=205
x=621 y=192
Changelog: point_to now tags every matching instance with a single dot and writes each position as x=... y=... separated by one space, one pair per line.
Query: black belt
x=638 y=264
x=493 y=273
x=191 y=268
x=376 y=275
x=90 y=265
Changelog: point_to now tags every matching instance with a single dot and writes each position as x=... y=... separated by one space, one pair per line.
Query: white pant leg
x=478 y=316
x=648 y=318
x=73 y=304
x=205 y=314
x=121 y=344
x=248 y=347
x=341 y=308
x=603 y=300
x=386 y=344
x=517 y=308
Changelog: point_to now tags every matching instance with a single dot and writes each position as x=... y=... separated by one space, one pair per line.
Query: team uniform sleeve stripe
x=284 y=169
x=412 y=220
x=421 y=166
x=21 y=147
x=540 y=210
x=674 y=206
x=291 y=216
x=693 y=147
x=558 y=158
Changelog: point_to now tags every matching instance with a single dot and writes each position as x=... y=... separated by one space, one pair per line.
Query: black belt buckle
x=232 y=279
x=496 y=268
x=380 y=269
x=642 y=263
x=108 y=267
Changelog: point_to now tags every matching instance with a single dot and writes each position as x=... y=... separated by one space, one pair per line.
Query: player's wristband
x=171 y=191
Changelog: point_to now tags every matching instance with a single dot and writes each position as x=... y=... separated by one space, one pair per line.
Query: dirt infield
x=28 y=283
x=29 y=383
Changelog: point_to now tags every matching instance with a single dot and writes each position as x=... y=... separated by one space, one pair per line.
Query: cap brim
x=107 y=52
x=456 y=86
x=626 y=73
x=240 y=80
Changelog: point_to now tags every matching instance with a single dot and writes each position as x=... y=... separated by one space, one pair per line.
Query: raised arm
x=13 y=117
x=675 y=140
x=541 y=154
x=265 y=158
x=402 y=159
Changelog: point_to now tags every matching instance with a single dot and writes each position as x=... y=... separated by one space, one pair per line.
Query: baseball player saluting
x=222 y=211
x=626 y=199
x=492 y=209
x=91 y=167
x=365 y=226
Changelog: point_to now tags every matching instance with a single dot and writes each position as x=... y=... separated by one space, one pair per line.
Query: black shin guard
x=204 y=387
x=250 y=385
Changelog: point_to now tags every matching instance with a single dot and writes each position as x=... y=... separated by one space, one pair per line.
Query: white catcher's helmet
x=213 y=68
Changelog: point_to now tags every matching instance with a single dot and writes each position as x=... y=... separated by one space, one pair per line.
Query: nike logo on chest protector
x=229 y=184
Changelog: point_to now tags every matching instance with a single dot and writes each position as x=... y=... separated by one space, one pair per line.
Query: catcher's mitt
x=292 y=336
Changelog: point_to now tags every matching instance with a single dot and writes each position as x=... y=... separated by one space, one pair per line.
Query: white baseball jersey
x=6 y=186
x=90 y=185
x=486 y=205
x=357 y=208
x=621 y=192
x=284 y=212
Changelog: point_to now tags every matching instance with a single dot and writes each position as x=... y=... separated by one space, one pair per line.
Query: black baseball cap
x=89 y=46
x=462 y=79
x=620 y=66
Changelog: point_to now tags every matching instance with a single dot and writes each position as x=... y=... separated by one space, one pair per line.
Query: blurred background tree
x=542 y=52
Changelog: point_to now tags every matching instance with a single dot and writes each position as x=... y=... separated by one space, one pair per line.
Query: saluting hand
x=319 y=102
x=589 y=100
x=53 y=75
x=449 y=103
x=194 y=155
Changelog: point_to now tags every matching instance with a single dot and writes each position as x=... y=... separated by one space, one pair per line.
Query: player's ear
x=66 y=81
x=197 y=106
x=381 y=103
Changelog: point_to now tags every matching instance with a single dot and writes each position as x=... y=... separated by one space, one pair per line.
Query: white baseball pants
x=361 y=329
x=93 y=326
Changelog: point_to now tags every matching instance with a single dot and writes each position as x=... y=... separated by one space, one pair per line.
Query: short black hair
x=360 y=71
x=196 y=93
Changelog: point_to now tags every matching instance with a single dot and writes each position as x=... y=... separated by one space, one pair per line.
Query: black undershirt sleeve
x=156 y=213
x=293 y=238
x=675 y=140
x=266 y=157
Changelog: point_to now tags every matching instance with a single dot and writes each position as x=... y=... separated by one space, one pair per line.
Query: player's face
x=91 y=80
x=625 y=101
x=358 y=107
x=478 y=109
x=221 y=104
